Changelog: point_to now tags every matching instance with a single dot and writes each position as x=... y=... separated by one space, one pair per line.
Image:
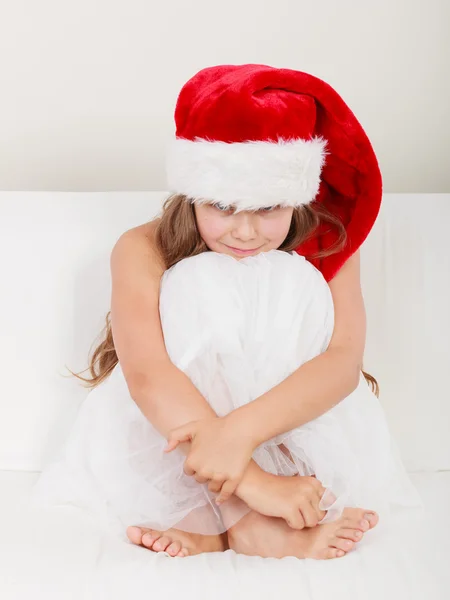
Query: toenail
x=157 y=546
x=147 y=538
x=133 y=529
x=358 y=534
x=368 y=516
x=365 y=524
x=340 y=553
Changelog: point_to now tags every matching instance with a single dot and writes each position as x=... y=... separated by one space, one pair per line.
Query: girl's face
x=245 y=233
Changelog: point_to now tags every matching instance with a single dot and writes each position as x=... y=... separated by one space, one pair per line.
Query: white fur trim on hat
x=247 y=175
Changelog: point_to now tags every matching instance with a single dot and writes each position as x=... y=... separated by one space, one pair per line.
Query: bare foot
x=258 y=535
x=176 y=542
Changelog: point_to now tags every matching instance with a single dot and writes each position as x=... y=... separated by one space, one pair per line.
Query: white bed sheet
x=60 y=555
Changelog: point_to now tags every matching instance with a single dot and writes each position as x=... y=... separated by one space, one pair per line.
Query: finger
x=180 y=434
x=296 y=520
x=321 y=491
x=215 y=485
x=317 y=484
x=330 y=498
x=174 y=441
x=315 y=503
x=171 y=445
x=228 y=489
x=188 y=470
x=309 y=515
x=318 y=489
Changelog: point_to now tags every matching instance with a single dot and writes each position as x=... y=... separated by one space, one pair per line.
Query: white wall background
x=88 y=87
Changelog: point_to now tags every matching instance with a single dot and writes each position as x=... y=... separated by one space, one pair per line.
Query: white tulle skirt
x=237 y=329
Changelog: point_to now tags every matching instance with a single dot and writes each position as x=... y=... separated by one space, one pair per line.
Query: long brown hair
x=177 y=237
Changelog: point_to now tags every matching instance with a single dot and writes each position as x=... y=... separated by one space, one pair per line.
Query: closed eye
x=269 y=208
x=229 y=209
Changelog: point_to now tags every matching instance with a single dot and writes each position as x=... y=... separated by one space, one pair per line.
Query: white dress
x=237 y=329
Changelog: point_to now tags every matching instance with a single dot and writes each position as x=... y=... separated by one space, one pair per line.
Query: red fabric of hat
x=253 y=136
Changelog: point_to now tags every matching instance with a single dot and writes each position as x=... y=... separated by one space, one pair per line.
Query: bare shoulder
x=145 y=232
x=138 y=246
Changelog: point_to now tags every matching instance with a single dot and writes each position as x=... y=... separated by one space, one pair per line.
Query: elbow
x=351 y=365
x=356 y=378
x=139 y=388
x=355 y=369
x=143 y=385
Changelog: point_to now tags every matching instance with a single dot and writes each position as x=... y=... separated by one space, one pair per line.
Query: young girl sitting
x=230 y=409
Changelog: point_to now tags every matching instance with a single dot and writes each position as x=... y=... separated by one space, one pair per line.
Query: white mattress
x=61 y=555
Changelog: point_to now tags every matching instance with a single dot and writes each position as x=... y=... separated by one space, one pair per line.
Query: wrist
x=244 y=425
x=254 y=478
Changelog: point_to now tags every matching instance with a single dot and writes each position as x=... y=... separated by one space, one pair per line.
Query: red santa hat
x=254 y=136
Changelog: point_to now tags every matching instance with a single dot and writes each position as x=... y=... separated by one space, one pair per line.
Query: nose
x=244 y=227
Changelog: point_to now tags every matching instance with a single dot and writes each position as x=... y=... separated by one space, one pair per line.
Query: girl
x=252 y=368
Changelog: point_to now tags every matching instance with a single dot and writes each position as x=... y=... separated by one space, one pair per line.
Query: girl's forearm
x=171 y=400
x=313 y=389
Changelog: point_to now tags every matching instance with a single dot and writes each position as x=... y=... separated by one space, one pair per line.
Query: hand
x=295 y=499
x=218 y=453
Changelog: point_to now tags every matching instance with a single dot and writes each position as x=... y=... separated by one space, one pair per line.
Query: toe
x=161 y=544
x=356 y=520
x=350 y=534
x=149 y=538
x=372 y=517
x=357 y=523
x=333 y=553
x=134 y=534
x=342 y=544
x=174 y=548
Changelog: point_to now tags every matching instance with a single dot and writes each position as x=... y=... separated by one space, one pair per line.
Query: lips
x=241 y=251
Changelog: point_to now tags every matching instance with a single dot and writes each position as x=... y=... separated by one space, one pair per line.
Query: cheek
x=276 y=229
x=211 y=228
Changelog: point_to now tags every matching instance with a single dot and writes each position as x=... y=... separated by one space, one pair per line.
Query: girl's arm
x=164 y=394
x=324 y=381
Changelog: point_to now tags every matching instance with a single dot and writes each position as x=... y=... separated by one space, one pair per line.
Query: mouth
x=242 y=252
